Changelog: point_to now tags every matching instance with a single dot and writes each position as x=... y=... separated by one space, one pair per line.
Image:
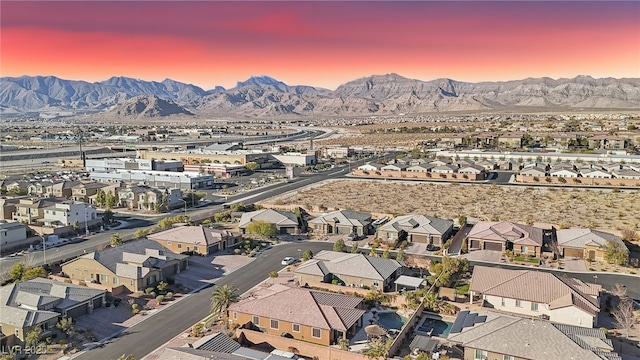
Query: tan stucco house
x=135 y=265
x=196 y=239
x=314 y=316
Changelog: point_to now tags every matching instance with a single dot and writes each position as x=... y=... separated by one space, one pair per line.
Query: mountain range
x=261 y=96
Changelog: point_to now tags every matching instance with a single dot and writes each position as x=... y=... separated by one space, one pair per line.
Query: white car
x=288 y=260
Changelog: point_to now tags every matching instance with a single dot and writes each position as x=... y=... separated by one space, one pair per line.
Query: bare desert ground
x=565 y=208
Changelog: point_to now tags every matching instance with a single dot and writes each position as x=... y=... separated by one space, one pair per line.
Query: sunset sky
x=319 y=43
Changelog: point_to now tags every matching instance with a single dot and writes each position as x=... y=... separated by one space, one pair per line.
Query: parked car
x=431 y=247
x=354 y=237
x=288 y=260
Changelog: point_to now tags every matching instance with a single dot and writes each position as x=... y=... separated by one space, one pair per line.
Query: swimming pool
x=391 y=320
x=435 y=327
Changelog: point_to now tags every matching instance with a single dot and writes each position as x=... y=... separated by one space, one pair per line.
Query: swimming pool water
x=391 y=320
x=440 y=328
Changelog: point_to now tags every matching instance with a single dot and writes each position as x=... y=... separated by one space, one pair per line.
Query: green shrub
x=169 y=296
x=149 y=290
x=160 y=299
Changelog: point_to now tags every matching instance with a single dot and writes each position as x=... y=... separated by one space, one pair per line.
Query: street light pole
x=185 y=206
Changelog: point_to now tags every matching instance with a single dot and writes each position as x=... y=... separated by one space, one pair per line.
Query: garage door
x=213 y=248
x=492 y=246
x=420 y=238
x=568 y=252
x=97 y=303
x=475 y=244
x=78 y=311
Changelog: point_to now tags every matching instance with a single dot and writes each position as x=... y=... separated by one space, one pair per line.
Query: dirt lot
x=598 y=209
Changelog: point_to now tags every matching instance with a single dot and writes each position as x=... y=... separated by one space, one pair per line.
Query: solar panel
x=457 y=324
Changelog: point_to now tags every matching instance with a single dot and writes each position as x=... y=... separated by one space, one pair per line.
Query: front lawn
x=529 y=259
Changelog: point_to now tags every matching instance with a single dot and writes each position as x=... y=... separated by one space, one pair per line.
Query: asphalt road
x=156 y=330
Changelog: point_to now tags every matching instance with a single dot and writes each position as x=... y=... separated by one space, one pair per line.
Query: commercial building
x=187 y=180
x=106 y=165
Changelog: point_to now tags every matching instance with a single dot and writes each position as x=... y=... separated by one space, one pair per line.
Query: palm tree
x=221 y=298
x=376 y=349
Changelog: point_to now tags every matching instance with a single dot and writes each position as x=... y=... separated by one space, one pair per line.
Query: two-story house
x=492 y=336
x=84 y=191
x=30 y=210
x=537 y=294
x=135 y=265
x=314 y=316
x=68 y=213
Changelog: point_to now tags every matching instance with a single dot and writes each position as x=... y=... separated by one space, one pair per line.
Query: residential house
x=440 y=162
x=84 y=191
x=42 y=302
x=420 y=168
x=286 y=222
x=472 y=169
x=394 y=167
x=488 y=165
x=444 y=169
x=69 y=212
x=585 y=243
x=535 y=293
x=17 y=187
x=501 y=236
x=8 y=207
x=609 y=142
x=342 y=222
x=534 y=171
x=111 y=188
x=197 y=239
x=418 y=161
x=39 y=188
x=30 y=210
x=135 y=265
x=12 y=234
x=314 y=316
x=146 y=198
x=354 y=270
x=595 y=174
x=61 y=189
x=416 y=228
x=370 y=167
x=489 y=336
x=564 y=173
x=513 y=141
x=626 y=173
x=610 y=167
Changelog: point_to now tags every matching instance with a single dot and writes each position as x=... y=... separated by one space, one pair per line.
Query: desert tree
x=339 y=246
x=116 y=240
x=615 y=253
x=619 y=290
x=624 y=316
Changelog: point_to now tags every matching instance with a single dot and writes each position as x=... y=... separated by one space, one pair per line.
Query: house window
x=316 y=333
x=235 y=315
x=534 y=306
x=104 y=278
x=375 y=283
x=295 y=328
x=502 y=302
x=518 y=303
x=131 y=282
x=275 y=324
x=256 y=320
x=179 y=246
x=508 y=357
x=525 y=250
x=480 y=355
x=195 y=248
x=17 y=333
x=115 y=280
